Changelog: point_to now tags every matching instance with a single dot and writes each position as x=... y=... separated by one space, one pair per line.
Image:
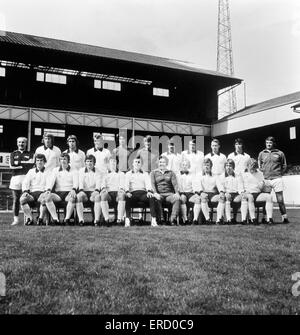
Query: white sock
x=43 y=210
x=228 y=210
x=220 y=210
x=183 y=212
x=121 y=209
x=27 y=211
x=80 y=208
x=69 y=210
x=196 y=210
x=153 y=221
x=97 y=210
x=205 y=210
x=105 y=210
x=251 y=210
x=244 y=209
x=52 y=210
x=269 y=209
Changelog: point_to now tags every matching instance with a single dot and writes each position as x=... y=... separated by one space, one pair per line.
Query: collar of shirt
x=238 y=153
x=184 y=172
x=139 y=171
x=21 y=152
x=37 y=170
x=163 y=172
x=272 y=150
x=68 y=168
x=99 y=149
x=230 y=175
x=77 y=150
x=213 y=153
x=51 y=148
x=113 y=171
x=86 y=170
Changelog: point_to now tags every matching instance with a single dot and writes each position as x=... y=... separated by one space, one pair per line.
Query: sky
x=265 y=34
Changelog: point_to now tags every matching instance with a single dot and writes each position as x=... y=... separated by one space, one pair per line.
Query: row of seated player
x=137 y=188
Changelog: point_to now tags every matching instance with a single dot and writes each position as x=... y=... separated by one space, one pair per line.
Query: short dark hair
x=271 y=138
x=238 y=141
x=208 y=160
x=65 y=154
x=216 y=140
x=163 y=157
x=90 y=158
x=49 y=136
x=73 y=137
x=148 y=138
x=98 y=136
x=40 y=156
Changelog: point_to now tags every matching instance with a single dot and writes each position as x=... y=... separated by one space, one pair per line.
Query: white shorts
x=276 y=184
x=16 y=182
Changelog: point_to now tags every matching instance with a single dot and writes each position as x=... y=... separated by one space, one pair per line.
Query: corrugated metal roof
x=90 y=50
x=264 y=105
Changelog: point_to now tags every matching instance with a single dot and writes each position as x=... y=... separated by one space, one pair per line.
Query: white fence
x=291 y=191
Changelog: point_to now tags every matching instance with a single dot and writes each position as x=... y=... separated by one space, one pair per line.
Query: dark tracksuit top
x=272 y=163
x=164 y=182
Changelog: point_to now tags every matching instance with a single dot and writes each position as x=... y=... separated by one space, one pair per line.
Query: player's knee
x=279 y=197
x=23 y=201
x=121 y=196
x=48 y=198
x=228 y=197
x=80 y=198
x=97 y=198
x=104 y=196
x=71 y=200
x=197 y=201
x=244 y=197
x=41 y=199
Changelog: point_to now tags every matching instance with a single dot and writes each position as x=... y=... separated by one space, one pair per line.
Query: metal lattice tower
x=227 y=98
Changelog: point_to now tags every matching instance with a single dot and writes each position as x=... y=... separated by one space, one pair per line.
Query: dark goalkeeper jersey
x=24 y=159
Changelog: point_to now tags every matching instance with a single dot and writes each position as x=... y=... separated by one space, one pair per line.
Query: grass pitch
x=143 y=270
